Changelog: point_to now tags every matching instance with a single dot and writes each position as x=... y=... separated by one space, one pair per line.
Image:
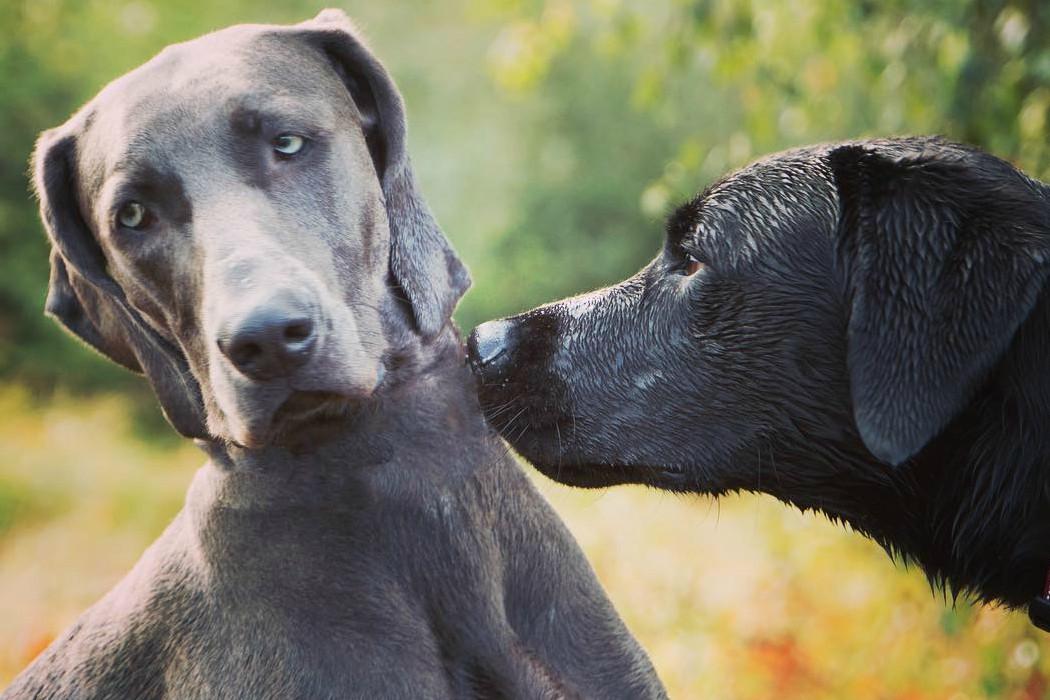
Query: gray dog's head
x=238 y=220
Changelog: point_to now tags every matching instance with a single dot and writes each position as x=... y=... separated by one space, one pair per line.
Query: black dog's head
x=821 y=308
x=238 y=220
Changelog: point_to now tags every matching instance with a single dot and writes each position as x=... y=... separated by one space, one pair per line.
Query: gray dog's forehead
x=236 y=58
x=177 y=98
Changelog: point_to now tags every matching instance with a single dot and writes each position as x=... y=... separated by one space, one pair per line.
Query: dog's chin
x=595 y=475
x=299 y=417
x=309 y=418
x=562 y=464
x=305 y=419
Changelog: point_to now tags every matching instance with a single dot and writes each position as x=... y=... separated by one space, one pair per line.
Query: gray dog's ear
x=97 y=328
x=946 y=254
x=91 y=305
x=421 y=259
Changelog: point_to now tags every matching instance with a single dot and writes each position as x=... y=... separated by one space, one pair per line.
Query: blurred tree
x=641 y=104
x=553 y=135
x=56 y=54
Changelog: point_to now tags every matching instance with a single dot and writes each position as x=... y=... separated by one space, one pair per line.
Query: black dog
x=861 y=329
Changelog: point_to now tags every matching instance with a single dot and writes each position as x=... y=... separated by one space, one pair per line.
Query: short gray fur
x=358 y=530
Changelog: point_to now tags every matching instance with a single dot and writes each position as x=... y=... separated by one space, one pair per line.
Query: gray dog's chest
x=255 y=619
x=308 y=651
x=464 y=588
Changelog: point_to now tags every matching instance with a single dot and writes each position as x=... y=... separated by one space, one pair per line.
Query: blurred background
x=551 y=138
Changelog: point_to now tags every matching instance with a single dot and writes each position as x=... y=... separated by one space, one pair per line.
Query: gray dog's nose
x=489 y=346
x=272 y=340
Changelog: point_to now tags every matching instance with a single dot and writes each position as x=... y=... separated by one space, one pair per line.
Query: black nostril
x=243 y=354
x=270 y=341
x=489 y=346
x=298 y=331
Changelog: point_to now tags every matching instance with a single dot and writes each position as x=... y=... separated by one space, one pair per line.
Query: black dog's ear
x=91 y=305
x=946 y=252
x=421 y=258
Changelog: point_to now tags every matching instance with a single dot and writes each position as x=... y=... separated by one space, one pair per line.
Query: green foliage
x=552 y=136
x=641 y=104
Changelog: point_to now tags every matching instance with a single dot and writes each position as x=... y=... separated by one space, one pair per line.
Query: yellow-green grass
x=739 y=598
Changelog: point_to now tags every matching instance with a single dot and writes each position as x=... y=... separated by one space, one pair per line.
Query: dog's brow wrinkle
x=246 y=120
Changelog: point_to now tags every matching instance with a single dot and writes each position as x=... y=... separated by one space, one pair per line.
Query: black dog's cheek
x=578 y=392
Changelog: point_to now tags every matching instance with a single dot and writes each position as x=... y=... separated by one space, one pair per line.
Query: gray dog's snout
x=272 y=340
x=490 y=347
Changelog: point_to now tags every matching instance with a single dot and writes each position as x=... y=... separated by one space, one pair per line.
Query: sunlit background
x=551 y=138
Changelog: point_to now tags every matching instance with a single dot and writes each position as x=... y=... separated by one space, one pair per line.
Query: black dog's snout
x=272 y=340
x=490 y=347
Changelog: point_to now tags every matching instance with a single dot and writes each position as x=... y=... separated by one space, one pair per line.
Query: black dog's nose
x=489 y=346
x=272 y=340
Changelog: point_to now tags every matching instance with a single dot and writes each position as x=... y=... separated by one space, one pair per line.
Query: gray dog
x=238 y=221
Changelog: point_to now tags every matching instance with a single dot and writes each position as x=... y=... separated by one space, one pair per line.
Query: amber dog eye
x=692 y=265
x=133 y=216
x=288 y=144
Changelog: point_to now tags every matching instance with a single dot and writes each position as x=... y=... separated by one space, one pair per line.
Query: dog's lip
x=299 y=410
x=305 y=400
x=544 y=451
x=595 y=475
x=324 y=403
x=301 y=406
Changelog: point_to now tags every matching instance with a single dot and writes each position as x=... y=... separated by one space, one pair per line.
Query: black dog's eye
x=133 y=215
x=691 y=264
x=287 y=145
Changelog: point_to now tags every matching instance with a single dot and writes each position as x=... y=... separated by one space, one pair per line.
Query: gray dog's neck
x=391 y=439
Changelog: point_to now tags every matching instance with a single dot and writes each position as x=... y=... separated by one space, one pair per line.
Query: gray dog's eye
x=132 y=215
x=288 y=144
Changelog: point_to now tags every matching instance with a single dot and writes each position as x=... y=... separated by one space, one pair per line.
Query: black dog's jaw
x=860 y=329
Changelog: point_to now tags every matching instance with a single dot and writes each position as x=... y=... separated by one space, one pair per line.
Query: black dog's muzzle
x=490 y=348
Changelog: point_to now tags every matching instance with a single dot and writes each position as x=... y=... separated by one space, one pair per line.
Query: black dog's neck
x=988 y=478
x=973 y=508
x=395 y=433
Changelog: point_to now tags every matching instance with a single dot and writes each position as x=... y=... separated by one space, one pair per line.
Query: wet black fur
x=869 y=337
